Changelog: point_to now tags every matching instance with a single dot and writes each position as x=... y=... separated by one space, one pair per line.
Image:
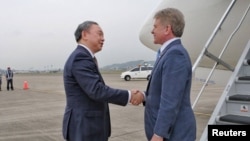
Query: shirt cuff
x=144 y=95
x=158 y=136
x=129 y=97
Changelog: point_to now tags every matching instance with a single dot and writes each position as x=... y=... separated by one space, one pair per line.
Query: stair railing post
x=195 y=65
x=208 y=44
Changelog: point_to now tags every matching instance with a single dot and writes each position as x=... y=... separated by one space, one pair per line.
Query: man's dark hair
x=83 y=27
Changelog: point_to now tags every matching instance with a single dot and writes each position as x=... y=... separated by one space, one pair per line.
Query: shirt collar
x=167 y=43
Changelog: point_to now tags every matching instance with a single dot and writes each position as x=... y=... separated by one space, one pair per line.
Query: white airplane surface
x=202 y=17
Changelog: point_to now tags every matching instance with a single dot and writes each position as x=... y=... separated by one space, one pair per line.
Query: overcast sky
x=39 y=34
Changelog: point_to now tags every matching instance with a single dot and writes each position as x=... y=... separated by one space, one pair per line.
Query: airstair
x=233 y=107
x=234 y=104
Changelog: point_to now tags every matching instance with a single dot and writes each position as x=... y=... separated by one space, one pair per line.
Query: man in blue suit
x=87 y=116
x=168 y=112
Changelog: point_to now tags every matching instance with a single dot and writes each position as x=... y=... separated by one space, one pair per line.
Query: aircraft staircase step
x=235 y=119
x=247 y=62
x=243 y=79
x=239 y=97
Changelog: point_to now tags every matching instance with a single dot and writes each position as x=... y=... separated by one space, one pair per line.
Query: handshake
x=137 y=97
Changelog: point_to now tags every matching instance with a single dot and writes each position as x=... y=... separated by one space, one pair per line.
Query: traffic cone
x=25 y=85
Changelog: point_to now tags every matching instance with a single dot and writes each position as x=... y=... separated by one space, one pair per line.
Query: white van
x=140 y=72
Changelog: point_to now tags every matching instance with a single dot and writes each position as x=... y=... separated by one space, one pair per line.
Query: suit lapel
x=166 y=49
x=178 y=41
x=93 y=59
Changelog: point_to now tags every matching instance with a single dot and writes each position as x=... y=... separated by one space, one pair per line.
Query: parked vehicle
x=140 y=72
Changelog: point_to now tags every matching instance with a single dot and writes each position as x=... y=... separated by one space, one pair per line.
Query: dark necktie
x=95 y=60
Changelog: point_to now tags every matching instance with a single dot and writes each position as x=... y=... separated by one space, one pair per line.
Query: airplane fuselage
x=202 y=17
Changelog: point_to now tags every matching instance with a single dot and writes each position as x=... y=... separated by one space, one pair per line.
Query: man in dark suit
x=168 y=112
x=9 y=77
x=87 y=116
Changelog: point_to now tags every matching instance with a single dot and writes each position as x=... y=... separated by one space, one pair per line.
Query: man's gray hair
x=85 y=26
x=174 y=17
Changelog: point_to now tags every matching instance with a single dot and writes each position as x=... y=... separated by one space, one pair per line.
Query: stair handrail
x=208 y=44
x=213 y=35
x=223 y=50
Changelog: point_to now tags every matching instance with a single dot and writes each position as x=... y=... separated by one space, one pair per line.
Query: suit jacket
x=86 y=116
x=168 y=110
x=9 y=74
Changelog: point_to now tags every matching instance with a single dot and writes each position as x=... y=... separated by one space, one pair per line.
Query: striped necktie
x=158 y=54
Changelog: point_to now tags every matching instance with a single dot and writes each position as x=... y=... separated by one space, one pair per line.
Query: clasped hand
x=137 y=97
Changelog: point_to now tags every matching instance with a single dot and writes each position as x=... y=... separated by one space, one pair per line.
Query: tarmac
x=33 y=111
